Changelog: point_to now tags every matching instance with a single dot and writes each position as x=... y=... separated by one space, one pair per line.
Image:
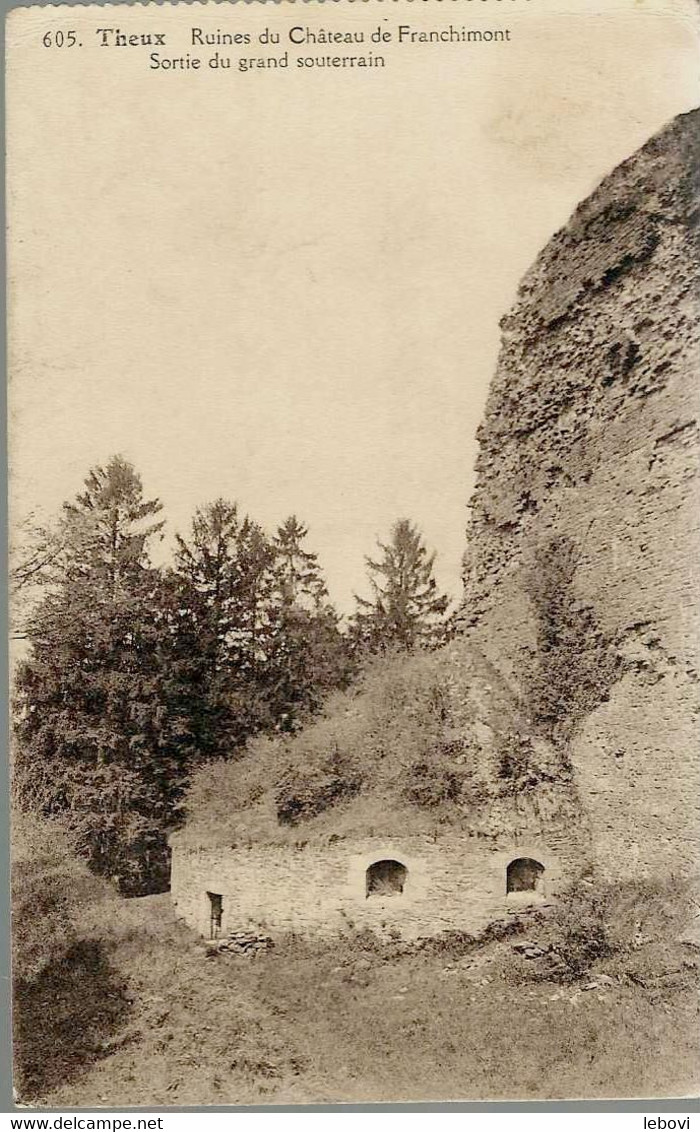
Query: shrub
x=515 y=760
x=584 y=942
x=367 y=940
x=596 y=920
x=522 y=767
x=450 y=944
x=300 y=796
x=48 y=887
x=577 y=664
x=407 y=747
x=430 y=784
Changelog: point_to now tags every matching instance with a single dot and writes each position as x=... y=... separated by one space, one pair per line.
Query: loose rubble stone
x=240 y=943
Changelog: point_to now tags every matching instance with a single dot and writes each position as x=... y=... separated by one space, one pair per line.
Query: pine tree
x=112 y=521
x=223 y=617
x=406 y=609
x=258 y=599
x=206 y=566
x=95 y=741
x=311 y=656
x=37 y=561
x=301 y=583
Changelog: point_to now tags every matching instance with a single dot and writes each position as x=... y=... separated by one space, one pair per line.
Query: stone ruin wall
x=591 y=433
x=456 y=883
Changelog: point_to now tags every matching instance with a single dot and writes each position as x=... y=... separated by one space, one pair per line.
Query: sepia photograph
x=354 y=356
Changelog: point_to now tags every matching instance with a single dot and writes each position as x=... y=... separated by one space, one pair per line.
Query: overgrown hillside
x=579 y=651
x=428 y=739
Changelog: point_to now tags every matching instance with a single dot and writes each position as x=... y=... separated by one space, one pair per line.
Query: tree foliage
x=92 y=728
x=310 y=654
x=406 y=609
x=299 y=575
x=136 y=675
x=222 y=586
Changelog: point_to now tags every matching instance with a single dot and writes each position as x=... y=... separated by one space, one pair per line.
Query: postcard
x=353 y=433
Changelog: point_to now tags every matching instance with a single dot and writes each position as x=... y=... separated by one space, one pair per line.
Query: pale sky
x=285 y=288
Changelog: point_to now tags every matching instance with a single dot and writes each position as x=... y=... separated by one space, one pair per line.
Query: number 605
x=60 y=39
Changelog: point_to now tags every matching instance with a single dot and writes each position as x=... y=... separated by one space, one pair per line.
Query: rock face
x=581 y=570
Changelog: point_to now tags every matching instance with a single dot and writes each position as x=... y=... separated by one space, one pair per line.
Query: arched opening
x=524 y=875
x=386 y=878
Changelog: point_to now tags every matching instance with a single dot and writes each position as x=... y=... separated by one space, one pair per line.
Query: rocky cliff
x=581 y=570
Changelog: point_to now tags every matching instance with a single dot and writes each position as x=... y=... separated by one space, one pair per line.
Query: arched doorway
x=385 y=878
x=524 y=874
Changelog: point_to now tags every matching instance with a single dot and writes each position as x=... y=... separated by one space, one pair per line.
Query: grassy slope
x=359 y=1021
x=417 y=745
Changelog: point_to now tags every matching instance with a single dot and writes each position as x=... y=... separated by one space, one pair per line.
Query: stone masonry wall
x=591 y=436
x=453 y=884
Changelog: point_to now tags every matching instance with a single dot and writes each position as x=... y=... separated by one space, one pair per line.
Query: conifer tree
x=115 y=525
x=206 y=566
x=406 y=609
x=223 y=585
x=311 y=656
x=258 y=599
x=301 y=583
x=95 y=744
x=135 y=675
x=258 y=644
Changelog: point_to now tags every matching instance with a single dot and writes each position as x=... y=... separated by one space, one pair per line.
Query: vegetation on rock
x=576 y=664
